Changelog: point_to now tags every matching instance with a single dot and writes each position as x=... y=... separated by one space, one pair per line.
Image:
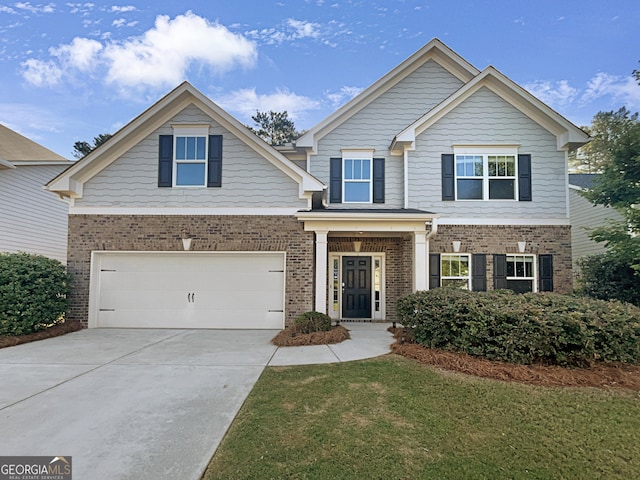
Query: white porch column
x=321 y=271
x=420 y=257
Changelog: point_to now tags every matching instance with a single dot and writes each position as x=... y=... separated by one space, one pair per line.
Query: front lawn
x=392 y=418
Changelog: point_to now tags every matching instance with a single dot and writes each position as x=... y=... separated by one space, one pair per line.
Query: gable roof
x=583 y=181
x=434 y=50
x=70 y=182
x=567 y=134
x=17 y=149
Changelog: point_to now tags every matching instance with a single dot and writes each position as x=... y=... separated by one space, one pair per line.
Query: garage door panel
x=191 y=290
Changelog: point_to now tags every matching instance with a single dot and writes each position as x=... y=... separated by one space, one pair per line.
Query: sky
x=71 y=71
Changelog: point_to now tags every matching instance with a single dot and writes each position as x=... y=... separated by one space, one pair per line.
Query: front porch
x=365 y=260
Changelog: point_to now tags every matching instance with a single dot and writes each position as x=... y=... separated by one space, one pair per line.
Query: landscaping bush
x=545 y=328
x=310 y=322
x=33 y=293
x=607 y=277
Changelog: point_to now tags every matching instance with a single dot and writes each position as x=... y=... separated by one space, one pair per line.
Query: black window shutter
x=448 y=178
x=524 y=178
x=335 y=180
x=165 y=161
x=479 y=272
x=378 y=180
x=546 y=273
x=215 y=161
x=434 y=270
x=499 y=271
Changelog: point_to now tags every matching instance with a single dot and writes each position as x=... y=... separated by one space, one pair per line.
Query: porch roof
x=366 y=220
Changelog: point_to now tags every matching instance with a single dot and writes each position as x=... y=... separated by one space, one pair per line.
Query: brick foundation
x=210 y=233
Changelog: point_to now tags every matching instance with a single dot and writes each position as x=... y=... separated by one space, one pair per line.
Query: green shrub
x=33 y=293
x=543 y=328
x=607 y=277
x=310 y=322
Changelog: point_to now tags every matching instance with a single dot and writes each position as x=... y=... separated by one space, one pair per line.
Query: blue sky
x=73 y=70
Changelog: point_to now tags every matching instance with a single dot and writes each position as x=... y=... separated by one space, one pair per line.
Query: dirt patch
x=290 y=338
x=55 y=331
x=599 y=375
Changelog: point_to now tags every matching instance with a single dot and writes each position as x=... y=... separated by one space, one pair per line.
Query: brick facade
x=490 y=239
x=210 y=233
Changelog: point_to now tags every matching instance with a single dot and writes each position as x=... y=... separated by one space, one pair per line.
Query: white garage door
x=188 y=290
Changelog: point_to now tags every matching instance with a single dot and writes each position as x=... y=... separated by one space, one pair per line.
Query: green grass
x=391 y=418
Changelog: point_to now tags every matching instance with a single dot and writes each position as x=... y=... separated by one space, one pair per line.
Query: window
x=521 y=273
x=455 y=271
x=190 y=161
x=485 y=176
x=357 y=180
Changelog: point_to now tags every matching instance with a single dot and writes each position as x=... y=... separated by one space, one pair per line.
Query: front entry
x=356 y=287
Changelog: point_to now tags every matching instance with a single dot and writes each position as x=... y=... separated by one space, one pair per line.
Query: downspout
x=406 y=178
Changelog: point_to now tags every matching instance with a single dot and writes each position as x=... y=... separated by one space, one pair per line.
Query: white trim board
x=182 y=211
x=503 y=221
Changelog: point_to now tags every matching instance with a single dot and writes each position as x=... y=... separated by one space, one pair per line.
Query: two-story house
x=437 y=174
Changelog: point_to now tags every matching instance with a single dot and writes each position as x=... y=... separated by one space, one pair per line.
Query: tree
x=275 y=128
x=81 y=149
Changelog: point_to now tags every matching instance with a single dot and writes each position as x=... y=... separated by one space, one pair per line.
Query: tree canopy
x=81 y=149
x=275 y=128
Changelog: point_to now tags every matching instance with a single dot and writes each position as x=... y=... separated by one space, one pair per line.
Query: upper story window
x=357 y=180
x=357 y=177
x=485 y=176
x=190 y=158
x=190 y=161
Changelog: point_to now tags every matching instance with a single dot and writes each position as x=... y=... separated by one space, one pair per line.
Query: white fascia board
x=6 y=164
x=503 y=221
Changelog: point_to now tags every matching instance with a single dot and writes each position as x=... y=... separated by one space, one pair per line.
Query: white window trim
x=534 y=267
x=190 y=131
x=449 y=277
x=485 y=152
x=357 y=154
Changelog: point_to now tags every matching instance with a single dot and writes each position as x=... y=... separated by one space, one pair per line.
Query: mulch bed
x=55 y=331
x=599 y=375
x=290 y=338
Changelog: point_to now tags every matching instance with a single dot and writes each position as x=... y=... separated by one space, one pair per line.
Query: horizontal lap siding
x=248 y=180
x=32 y=219
x=486 y=119
x=376 y=125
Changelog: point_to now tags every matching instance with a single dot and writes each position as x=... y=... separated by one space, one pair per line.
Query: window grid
x=190 y=161
x=357 y=184
x=486 y=177
x=455 y=271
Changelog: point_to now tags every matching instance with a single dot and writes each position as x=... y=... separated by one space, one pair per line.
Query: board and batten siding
x=585 y=215
x=376 y=124
x=248 y=180
x=486 y=119
x=32 y=219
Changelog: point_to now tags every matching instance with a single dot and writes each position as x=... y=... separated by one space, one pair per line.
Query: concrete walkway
x=144 y=404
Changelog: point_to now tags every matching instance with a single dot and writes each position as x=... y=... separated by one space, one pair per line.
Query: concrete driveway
x=144 y=404
x=128 y=404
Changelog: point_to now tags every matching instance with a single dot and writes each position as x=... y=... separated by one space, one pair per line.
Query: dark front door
x=356 y=293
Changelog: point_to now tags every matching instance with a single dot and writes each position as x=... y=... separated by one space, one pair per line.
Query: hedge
x=544 y=328
x=310 y=322
x=33 y=293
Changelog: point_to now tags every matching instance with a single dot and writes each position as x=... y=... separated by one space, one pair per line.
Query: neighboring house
x=437 y=174
x=32 y=219
x=585 y=216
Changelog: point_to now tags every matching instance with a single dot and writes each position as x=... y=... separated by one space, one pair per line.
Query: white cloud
x=343 y=95
x=81 y=53
x=41 y=73
x=80 y=7
x=122 y=9
x=246 y=101
x=553 y=93
x=158 y=58
x=163 y=54
x=5 y=9
x=48 y=8
x=619 y=88
x=290 y=30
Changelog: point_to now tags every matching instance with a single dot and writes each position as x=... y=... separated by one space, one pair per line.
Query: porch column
x=420 y=256
x=321 y=271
